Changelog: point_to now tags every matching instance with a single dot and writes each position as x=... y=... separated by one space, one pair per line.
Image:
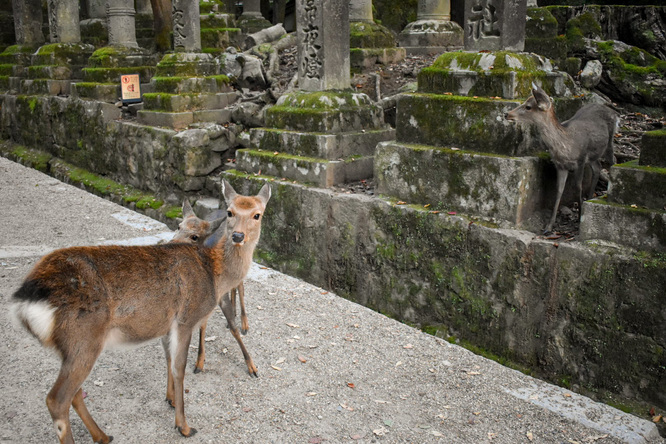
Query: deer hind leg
x=179 y=342
x=66 y=392
x=592 y=185
x=232 y=295
x=227 y=310
x=201 y=355
x=167 y=354
x=561 y=182
x=97 y=434
x=245 y=326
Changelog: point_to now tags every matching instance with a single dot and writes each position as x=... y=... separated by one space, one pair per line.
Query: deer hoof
x=170 y=402
x=109 y=439
x=243 y=331
x=192 y=432
x=197 y=370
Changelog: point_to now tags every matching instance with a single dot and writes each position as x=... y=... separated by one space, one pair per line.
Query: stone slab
x=637 y=228
x=320 y=172
x=105 y=92
x=46 y=86
x=633 y=184
x=325 y=146
x=187 y=102
x=366 y=58
x=165 y=119
x=212 y=115
x=653 y=149
x=497 y=187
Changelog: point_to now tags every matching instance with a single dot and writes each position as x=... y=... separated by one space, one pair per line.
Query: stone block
x=178 y=85
x=46 y=86
x=325 y=146
x=326 y=111
x=637 y=228
x=653 y=149
x=552 y=47
x=494 y=25
x=165 y=119
x=187 y=64
x=505 y=74
x=109 y=75
x=370 y=35
x=55 y=72
x=105 y=92
x=366 y=58
x=212 y=115
x=498 y=187
x=444 y=35
x=204 y=207
x=319 y=172
x=633 y=184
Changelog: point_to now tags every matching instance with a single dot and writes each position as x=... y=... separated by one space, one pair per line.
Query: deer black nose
x=237 y=237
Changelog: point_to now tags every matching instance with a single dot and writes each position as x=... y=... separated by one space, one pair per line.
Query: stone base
x=187 y=102
x=46 y=87
x=431 y=34
x=325 y=112
x=175 y=121
x=503 y=73
x=633 y=184
x=429 y=50
x=365 y=58
x=496 y=187
x=636 y=228
x=318 y=172
x=325 y=146
x=251 y=23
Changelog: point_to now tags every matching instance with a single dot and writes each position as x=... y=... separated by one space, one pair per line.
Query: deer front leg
x=225 y=305
x=179 y=342
x=201 y=355
x=167 y=352
x=561 y=181
x=245 y=326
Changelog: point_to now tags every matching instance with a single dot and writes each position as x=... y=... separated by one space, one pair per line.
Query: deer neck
x=231 y=262
x=556 y=138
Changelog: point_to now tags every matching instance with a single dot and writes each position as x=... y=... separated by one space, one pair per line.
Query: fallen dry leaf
x=293 y=325
x=302 y=359
x=276 y=368
x=351 y=385
x=656 y=419
x=530 y=436
x=379 y=432
x=437 y=434
x=408 y=346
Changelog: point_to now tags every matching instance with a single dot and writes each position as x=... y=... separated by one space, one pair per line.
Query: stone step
x=634 y=184
x=219 y=116
x=187 y=102
x=179 y=85
x=216 y=20
x=45 y=87
x=498 y=187
x=319 y=172
x=55 y=72
x=220 y=38
x=103 y=92
x=475 y=124
x=4 y=83
x=175 y=121
x=325 y=146
x=653 y=149
x=638 y=228
x=76 y=54
x=11 y=70
x=109 y=75
x=369 y=57
x=186 y=64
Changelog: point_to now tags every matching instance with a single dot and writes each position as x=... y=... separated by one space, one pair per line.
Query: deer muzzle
x=237 y=237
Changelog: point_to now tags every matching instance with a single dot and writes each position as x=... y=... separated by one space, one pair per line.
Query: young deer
x=79 y=300
x=585 y=139
x=198 y=231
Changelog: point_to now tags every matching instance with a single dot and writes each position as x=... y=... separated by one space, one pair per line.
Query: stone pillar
x=433 y=31
x=495 y=25
x=143 y=7
x=64 y=21
x=251 y=20
x=323 y=44
x=28 y=22
x=360 y=11
x=186 y=26
x=120 y=23
x=96 y=9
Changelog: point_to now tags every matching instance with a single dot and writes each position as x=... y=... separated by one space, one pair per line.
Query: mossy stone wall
x=578 y=314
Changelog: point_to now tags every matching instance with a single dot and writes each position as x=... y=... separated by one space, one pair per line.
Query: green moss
x=38 y=160
x=581 y=27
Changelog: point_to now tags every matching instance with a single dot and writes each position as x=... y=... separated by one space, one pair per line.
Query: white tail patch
x=39 y=316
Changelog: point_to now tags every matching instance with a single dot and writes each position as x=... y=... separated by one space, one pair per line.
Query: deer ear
x=542 y=99
x=228 y=192
x=265 y=193
x=187 y=209
x=215 y=224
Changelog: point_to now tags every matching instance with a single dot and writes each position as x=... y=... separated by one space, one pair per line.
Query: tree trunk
x=162 y=23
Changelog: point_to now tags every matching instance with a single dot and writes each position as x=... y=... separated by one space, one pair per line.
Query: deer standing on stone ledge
x=80 y=300
x=585 y=139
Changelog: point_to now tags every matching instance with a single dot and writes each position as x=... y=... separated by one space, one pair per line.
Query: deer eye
x=230 y=214
x=257 y=216
x=194 y=237
x=528 y=107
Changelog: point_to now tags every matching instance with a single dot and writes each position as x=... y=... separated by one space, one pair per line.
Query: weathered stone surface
x=494 y=25
x=192 y=152
x=496 y=187
x=323 y=44
x=120 y=23
x=653 y=149
x=591 y=74
x=186 y=25
x=28 y=22
x=166 y=119
x=569 y=312
x=434 y=35
x=503 y=73
x=638 y=228
x=64 y=21
x=642 y=186
x=266 y=35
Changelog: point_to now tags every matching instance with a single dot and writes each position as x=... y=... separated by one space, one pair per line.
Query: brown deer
x=585 y=139
x=80 y=300
x=198 y=231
